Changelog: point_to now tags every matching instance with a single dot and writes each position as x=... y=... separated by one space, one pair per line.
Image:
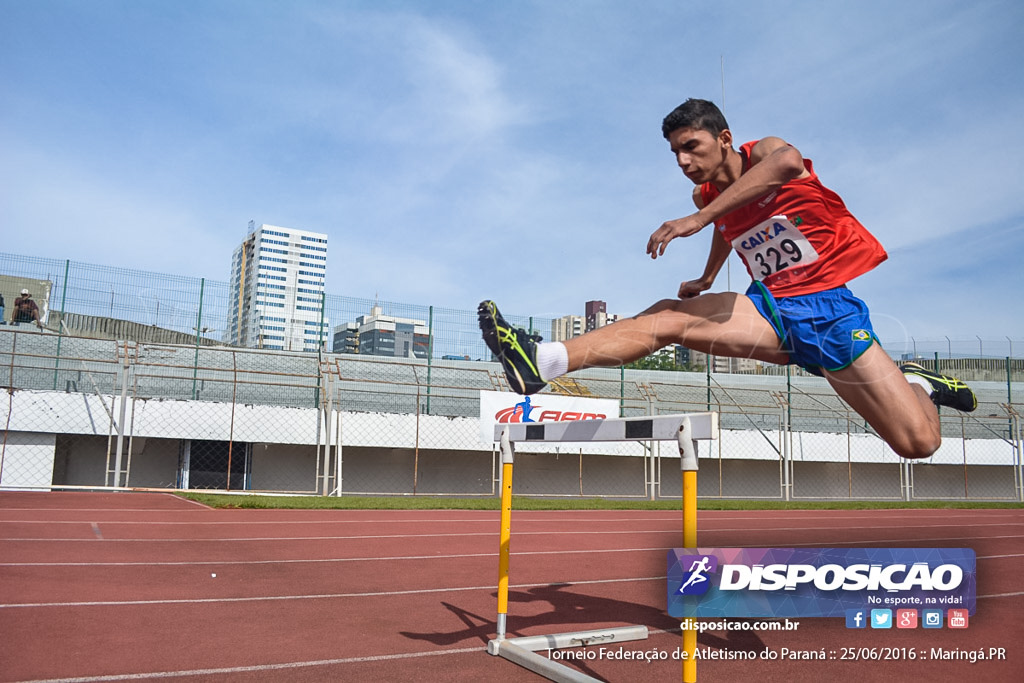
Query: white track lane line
x=336 y=596
x=259 y=667
x=322 y=560
x=91 y=510
x=315 y=522
x=267 y=598
x=392 y=558
x=532 y=514
x=326 y=596
x=574 y=532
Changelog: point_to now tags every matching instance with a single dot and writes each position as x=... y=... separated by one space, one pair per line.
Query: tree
x=665 y=359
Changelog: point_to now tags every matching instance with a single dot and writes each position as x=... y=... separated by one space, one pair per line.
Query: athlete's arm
x=717 y=256
x=773 y=163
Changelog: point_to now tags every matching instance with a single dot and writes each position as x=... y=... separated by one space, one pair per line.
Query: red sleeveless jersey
x=800 y=238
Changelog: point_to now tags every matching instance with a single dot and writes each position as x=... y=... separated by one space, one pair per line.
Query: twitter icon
x=881 y=618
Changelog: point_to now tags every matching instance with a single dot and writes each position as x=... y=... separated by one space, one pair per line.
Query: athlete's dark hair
x=695 y=114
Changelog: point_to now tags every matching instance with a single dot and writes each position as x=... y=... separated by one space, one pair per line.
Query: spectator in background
x=2 y=318
x=25 y=310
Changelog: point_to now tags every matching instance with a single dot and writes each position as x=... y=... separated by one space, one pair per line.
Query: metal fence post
x=430 y=352
x=121 y=418
x=622 y=391
x=1018 y=447
x=60 y=323
x=1009 y=387
x=787 y=461
x=338 y=451
x=199 y=327
x=328 y=412
x=1020 y=452
x=320 y=350
x=789 y=393
x=319 y=376
x=231 y=426
x=323 y=312
x=416 y=446
x=710 y=360
x=651 y=451
x=10 y=404
x=907 y=472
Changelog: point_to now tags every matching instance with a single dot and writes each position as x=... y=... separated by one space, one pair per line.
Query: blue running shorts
x=824 y=330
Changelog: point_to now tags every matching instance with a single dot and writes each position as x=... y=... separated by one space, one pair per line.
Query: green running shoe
x=947 y=391
x=514 y=347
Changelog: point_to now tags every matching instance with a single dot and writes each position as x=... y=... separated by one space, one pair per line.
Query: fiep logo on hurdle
x=686 y=430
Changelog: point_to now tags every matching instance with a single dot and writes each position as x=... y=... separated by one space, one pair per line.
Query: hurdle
x=686 y=430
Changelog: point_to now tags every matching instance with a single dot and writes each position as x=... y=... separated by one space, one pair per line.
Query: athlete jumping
x=801 y=246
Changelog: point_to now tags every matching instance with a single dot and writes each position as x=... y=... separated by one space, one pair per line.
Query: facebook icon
x=856 y=618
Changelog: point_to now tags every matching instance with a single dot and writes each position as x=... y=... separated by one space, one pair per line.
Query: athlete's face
x=699 y=154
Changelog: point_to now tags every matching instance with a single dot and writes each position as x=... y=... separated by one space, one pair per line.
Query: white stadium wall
x=63 y=439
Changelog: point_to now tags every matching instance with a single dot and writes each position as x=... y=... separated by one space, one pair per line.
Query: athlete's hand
x=669 y=230
x=692 y=288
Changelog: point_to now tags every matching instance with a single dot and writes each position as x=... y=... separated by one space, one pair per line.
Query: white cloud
x=60 y=209
x=939 y=180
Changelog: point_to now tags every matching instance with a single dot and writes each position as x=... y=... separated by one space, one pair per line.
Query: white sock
x=921 y=381
x=552 y=360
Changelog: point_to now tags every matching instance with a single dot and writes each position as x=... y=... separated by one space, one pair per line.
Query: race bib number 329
x=773 y=246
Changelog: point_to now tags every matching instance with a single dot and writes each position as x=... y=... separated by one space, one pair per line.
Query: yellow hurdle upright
x=688 y=464
x=506 y=533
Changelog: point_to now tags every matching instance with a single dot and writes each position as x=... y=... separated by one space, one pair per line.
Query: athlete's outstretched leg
x=724 y=324
x=901 y=412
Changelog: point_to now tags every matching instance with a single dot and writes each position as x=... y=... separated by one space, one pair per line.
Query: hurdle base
x=523 y=650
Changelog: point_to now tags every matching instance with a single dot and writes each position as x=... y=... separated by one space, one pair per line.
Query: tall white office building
x=277 y=289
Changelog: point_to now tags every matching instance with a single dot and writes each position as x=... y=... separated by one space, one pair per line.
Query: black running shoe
x=947 y=391
x=514 y=347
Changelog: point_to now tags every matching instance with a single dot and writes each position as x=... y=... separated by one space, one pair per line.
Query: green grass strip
x=526 y=503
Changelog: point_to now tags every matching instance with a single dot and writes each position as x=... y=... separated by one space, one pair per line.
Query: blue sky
x=455 y=151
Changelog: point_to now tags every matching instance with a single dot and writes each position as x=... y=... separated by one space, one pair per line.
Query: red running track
x=110 y=587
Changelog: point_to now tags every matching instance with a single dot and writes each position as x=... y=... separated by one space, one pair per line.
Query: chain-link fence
x=100 y=413
x=120 y=303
